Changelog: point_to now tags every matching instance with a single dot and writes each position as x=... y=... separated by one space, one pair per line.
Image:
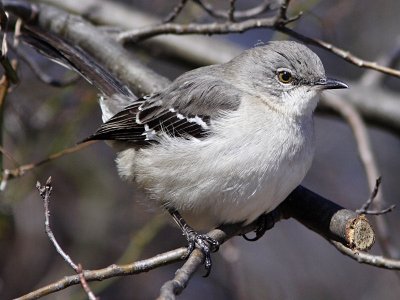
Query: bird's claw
x=206 y=245
x=265 y=222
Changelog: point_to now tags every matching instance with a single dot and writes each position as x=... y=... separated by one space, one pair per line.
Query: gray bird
x=224 y=143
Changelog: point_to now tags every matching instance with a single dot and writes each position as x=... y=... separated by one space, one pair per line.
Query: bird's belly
x=258 y=194
x=232 y=175
x=211 y=187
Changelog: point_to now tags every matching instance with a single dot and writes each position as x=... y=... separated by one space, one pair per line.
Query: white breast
x=253 y=161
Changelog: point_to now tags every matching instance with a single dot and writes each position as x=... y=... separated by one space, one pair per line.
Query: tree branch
x=317 y=213
x=111 y=271
x=140 y=34
x=197 y=51
x=365 y=258
x=344 y=54
x=9 y=174
x=176 y=11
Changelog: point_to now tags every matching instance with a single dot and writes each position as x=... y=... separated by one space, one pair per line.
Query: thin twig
x=4 y=85
x=176 y=11
x=45 y=192
x=9 y=66
x=371 y=198
x=283 y=10
x=365 y=207
x=140 y=34
x=380 y=211
x=84 y=283
x=365 y=258
x=21 y=170
x=370 y=78
x=344 y=54
x=231 y=12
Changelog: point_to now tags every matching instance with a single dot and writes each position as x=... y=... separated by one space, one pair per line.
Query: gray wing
x=184 y=109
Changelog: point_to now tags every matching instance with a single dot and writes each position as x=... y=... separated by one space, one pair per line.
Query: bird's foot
x=203 y=242
x=265 y=222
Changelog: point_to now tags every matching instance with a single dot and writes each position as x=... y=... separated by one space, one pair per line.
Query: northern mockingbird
x=223 y=143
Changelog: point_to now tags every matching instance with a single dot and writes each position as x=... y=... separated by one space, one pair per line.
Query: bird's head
x=286 y=74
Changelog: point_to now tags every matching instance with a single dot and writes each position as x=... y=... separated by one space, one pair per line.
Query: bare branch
x=21 y=170
x=111 y=271
x=365 y=207
x=9 y=77
x=102 y=47
x=283 y=10
x=365 y=258
x=195 y=50
x=380 y=211
x=45 y=192
x=371 y=198
x=344 y=54
x=176 y=11
x=84 y=283
x=373 y=79
x=182 y=276
x=319 y=214
x=231 y=12
x=140 y=34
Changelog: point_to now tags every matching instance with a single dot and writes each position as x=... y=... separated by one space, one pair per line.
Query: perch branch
x=319 y=214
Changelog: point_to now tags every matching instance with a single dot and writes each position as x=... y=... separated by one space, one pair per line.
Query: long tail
x=75 y=58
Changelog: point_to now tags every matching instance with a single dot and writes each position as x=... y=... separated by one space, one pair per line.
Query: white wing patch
x=150 y=133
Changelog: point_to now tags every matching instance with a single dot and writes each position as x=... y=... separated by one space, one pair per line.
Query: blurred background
x=100 y=220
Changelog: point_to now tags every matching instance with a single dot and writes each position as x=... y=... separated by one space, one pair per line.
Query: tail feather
x=75 y=58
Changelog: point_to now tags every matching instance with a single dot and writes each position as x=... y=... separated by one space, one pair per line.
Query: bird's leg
x=205 y=243
x=265 y=222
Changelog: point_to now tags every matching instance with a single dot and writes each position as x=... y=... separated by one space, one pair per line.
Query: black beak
x=330 y=84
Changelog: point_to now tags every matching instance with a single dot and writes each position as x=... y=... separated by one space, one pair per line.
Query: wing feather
x=184 y=110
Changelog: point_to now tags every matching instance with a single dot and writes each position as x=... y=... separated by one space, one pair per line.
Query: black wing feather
x=184 y=109
x=127 y=125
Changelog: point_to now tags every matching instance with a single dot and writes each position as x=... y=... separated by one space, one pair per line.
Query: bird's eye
x=285 y=76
